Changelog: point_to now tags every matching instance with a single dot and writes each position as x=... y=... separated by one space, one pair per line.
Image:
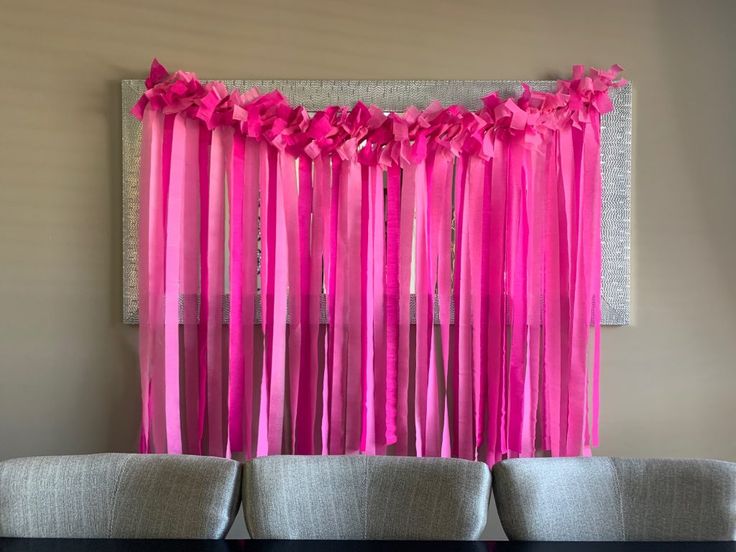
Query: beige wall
x=68 y=379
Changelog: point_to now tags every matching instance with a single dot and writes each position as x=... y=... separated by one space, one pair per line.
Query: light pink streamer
x=340 y=322
x=288 y=169
x=175 y=166
x=280 y=281
x=250 y=247
x=268 y=241
x=464 y=403
x=150 y=273
x=190 y=262
x=444 y=179
x=405 y=255
x=221 y=140
x=355 y=323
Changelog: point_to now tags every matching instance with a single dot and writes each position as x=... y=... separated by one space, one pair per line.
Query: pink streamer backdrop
x=495 y=212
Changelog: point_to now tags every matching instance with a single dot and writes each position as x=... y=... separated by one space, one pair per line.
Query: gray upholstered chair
x=365 y=497
x=118 y=495
x=616 y=499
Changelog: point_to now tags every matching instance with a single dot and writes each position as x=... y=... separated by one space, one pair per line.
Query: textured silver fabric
x=118 y=496
x=616 y=499
x=397 y=96
x=365 y=497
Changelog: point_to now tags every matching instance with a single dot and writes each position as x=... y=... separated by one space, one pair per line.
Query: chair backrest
x=365 y=497
x=616 y=499
x=118 y=496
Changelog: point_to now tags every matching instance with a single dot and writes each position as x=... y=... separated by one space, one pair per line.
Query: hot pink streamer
x=516 y=254
x=476 y=231
x=554 y=317
x=535 y=205
x=497 y=211
x=463 y=331
x=304 y=415
x=323 y=180
x=250 y=251
x=368 y=415
x=424 y=307
x=405 y=255
x=205 y=141
x=236 y=335
x=433 y=423
x=268 y=242
x=595 y=280
x=496 y=176
x=291 y=213
x=393 y=217
x=377 y=224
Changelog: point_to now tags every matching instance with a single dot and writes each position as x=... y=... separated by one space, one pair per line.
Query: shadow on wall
x=124 y=412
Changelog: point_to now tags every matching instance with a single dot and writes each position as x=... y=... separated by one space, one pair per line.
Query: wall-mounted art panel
x=397 y=96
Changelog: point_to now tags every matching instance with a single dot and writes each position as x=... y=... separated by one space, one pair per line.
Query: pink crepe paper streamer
x=509 y=378
x=216 y=415
x=150 y=275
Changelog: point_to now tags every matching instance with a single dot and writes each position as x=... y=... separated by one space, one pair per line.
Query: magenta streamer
x=236 y=356
x=304 y=420
x=367 y=430
x=266 y=239
x=378 y=246
x=492 y=216
x=205 y=141
x=393 y=213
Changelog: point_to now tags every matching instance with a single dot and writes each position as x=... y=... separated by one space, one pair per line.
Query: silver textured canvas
x=397 y=96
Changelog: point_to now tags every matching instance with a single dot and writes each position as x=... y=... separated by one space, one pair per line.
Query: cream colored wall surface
x=68 y=366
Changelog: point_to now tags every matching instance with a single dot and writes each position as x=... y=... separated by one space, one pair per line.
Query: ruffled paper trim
x=374 y=138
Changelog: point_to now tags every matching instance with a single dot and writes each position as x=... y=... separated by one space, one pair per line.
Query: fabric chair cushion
x=118 y=496
x=362 y=497
x=616 y=499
